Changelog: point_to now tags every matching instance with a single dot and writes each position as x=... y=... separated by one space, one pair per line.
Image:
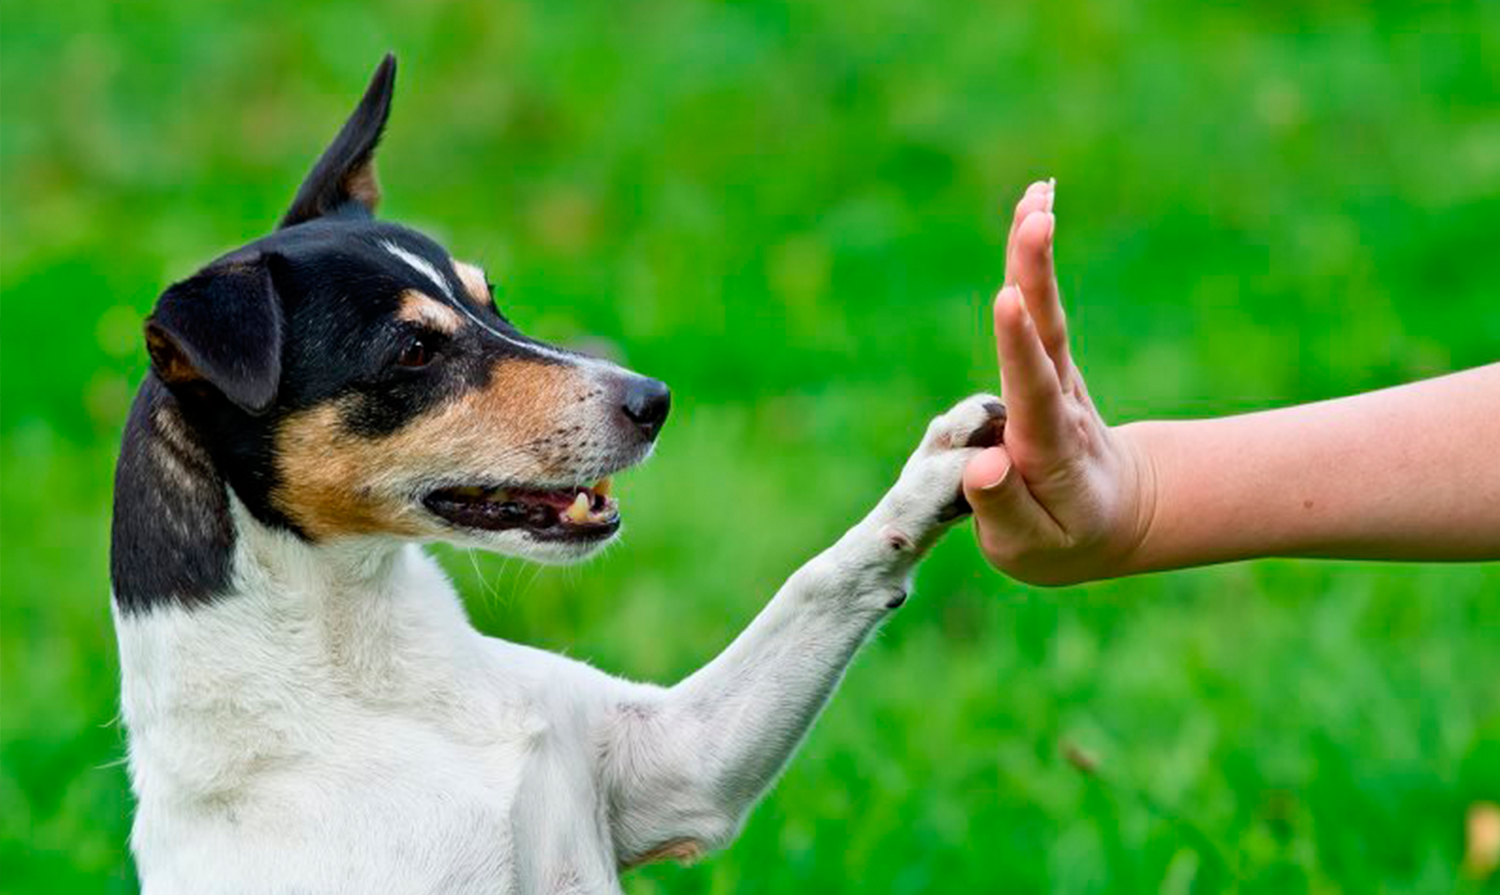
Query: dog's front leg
x=682 y=766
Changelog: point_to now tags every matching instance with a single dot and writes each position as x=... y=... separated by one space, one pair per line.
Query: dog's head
x=349 y=377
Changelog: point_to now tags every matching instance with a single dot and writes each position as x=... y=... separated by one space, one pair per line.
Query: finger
x=1008 y=518
x=1028 y=379
x=1036 y=198
x=1037 y=277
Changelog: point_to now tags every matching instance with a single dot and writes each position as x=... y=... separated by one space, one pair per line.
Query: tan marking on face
x=419 y=307
x=474 y=283
x=327 y=477
x=337 y=483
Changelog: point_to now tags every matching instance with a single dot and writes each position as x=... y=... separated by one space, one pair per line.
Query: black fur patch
x=223 y=325
x=171 y=537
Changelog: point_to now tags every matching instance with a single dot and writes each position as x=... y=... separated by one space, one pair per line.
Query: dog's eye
x=417 y=353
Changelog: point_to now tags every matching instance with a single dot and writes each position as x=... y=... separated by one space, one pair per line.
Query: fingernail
x=1051 y=225
x=1051 y=192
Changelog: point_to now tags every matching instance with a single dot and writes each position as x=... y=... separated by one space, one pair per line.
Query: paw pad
x=991 y=432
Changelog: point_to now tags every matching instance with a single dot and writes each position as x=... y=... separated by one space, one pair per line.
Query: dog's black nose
x=646 y=402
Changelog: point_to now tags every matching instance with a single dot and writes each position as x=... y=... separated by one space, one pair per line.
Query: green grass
x=791 y=211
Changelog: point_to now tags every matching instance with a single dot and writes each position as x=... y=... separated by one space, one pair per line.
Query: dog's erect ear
x=222 y=326
x=343 y=180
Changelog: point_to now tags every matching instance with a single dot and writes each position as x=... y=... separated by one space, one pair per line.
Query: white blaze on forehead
x=424 y=267
x=420 y=265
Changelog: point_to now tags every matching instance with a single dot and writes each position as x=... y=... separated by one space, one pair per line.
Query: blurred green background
x=793 y=212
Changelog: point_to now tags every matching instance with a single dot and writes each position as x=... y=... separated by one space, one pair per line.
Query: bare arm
x=1411 y=472
x=1406 y=473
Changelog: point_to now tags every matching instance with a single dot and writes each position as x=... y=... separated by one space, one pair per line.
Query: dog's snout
x=646 y=402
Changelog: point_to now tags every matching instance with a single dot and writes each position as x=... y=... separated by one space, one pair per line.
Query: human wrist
x=1140 y=445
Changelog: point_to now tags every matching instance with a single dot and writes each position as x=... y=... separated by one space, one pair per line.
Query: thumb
x=1009 y=519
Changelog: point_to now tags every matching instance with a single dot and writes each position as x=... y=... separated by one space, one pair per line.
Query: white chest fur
x=336 y=718
x=333 y=724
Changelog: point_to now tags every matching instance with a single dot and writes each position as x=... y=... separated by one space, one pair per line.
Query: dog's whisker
x=479 y=576
x=122 y=761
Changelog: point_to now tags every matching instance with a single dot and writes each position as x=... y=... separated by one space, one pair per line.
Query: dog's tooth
x=602 y=489
x=578 y=510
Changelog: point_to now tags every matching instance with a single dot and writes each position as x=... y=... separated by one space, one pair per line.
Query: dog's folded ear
x=221 y=327
x=343 y=181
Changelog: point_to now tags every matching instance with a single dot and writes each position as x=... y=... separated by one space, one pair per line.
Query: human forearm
x=1411 y=472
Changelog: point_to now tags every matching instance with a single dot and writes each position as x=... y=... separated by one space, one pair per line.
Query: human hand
x=1066 y=498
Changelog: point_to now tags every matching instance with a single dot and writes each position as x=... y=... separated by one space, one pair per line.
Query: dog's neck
x=289 y=631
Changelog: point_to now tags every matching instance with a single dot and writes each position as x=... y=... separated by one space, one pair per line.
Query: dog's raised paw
x=930 y=493
x=977 y=421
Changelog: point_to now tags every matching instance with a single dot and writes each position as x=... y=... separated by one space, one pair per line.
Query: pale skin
x=1405 y=473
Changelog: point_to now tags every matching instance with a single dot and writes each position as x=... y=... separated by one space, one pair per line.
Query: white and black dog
x=309 y=710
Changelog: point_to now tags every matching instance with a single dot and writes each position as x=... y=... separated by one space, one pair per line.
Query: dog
x=308 y=708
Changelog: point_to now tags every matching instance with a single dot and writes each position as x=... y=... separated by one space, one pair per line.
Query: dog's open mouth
x=559 y=514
